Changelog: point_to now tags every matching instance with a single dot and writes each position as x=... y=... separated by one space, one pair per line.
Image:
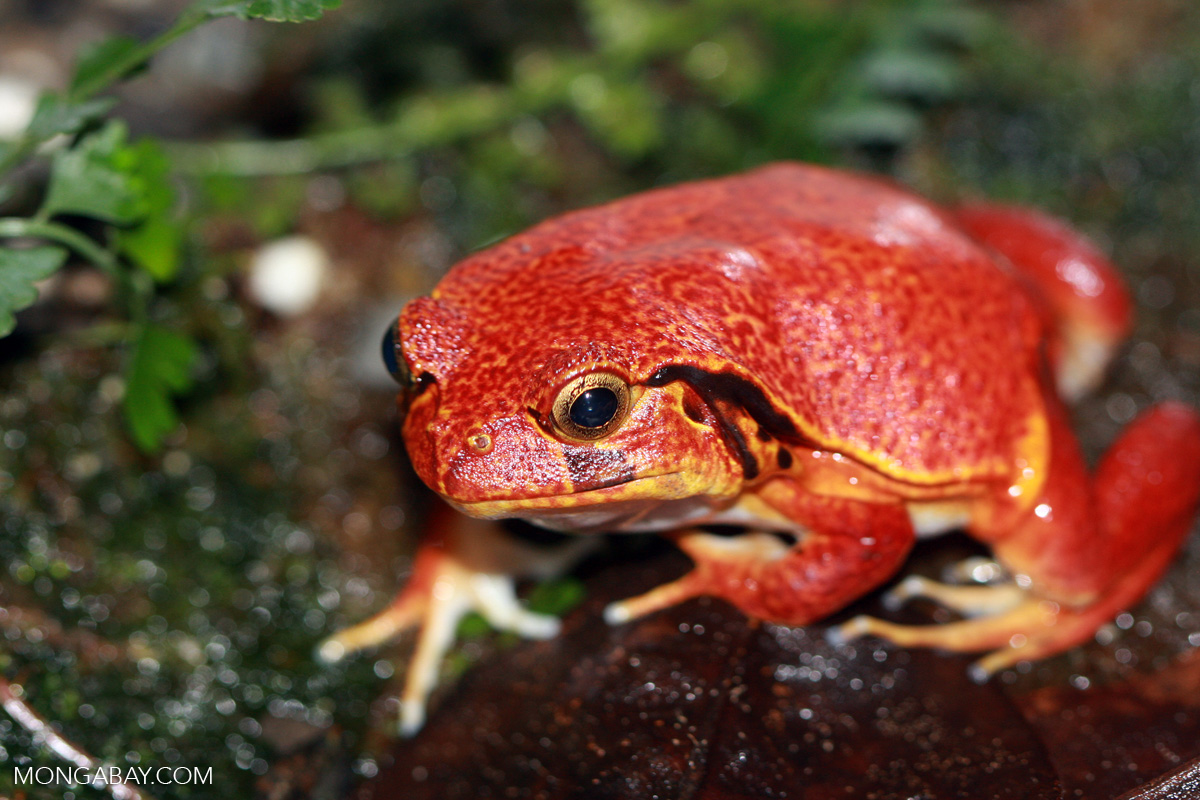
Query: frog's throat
x=621 y=502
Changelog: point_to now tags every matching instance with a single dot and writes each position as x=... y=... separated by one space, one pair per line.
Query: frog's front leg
x=848 y=547
x=462 y=565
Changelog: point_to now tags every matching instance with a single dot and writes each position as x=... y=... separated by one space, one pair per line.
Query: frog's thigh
x=849 y=548
x=1093 y=539
x=1088 y=325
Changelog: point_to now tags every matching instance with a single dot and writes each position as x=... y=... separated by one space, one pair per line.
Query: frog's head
x=580 y=410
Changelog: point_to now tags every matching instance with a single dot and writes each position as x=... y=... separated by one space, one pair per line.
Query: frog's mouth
x=659 y=502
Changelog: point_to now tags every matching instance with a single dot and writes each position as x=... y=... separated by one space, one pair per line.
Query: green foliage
x=57 y=115
x=98 y=60
x=160 y=365
x=271 y=10
x=99 y=174
x=19 y=270
x=98 y=178
x=153 y=244
x=770 y=82
x=556 y=597
x=877 y=122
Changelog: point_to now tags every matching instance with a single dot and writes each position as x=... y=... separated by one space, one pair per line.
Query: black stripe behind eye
x=735 y=389
x=735 y=438
x=719 y=389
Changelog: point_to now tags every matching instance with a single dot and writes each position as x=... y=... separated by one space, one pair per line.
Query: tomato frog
x=822 y=359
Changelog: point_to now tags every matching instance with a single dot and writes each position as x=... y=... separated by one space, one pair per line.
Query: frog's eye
x=394 y=359
x=591 y=406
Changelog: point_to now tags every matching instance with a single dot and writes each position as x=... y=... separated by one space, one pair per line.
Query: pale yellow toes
x=970 y=601
x=1025 y=631
x=384 y=626
x=454 y=592
x=658 y=598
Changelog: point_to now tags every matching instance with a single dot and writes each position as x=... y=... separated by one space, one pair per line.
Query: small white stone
x=18 y=100
x=286 y=275
x=330 y=651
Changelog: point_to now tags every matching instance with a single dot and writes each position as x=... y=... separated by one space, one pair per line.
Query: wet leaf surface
x=694 y=702
x=1179 y=784
x=1109 y=739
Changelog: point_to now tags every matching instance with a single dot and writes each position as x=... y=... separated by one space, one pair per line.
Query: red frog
x=823 y=359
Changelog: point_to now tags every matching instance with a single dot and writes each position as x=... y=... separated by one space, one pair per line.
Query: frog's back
x=859 y=309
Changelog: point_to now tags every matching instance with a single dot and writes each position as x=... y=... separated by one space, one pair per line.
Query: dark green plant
x=96 y=173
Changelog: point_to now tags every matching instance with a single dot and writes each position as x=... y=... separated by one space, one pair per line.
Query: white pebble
x=286 y=275
x=18 y=99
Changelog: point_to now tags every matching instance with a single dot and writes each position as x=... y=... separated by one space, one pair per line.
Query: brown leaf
x=1178 y=784
x=697 y=702
x=1108 y=739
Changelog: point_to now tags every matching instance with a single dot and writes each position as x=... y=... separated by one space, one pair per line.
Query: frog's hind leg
x=1086 y=300
x=1085 y=556
x=1028 y=630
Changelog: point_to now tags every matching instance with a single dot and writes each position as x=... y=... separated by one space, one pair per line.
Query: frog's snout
x=495 y=460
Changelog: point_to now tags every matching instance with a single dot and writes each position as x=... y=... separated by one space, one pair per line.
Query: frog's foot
x=1026 y=630
x=791 y=582
x=448 y=583
x=1011 y=635
x=704 y=548
x=443 y=596
x=970 y=601
x=1031 y=630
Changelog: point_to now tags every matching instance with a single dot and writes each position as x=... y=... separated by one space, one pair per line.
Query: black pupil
x=594 y=407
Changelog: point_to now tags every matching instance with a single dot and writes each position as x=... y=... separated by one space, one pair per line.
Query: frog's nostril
x=480 y=443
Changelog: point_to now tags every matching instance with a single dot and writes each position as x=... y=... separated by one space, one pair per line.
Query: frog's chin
x=659 y=503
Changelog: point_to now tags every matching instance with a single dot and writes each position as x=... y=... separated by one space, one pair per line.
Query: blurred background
x=162 y=592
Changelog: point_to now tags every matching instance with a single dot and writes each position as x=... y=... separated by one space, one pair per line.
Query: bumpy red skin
x=874 y=355
x=908 y=348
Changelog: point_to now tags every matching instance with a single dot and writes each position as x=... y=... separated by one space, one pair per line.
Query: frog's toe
x=434 y=640
x=457 y=592
x=976 y=570
x=910 y=588
x=848 y=631
x=1014 y=626
x=971 y=601
x=404 y=612
x=658 y=598
x=495 y=597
